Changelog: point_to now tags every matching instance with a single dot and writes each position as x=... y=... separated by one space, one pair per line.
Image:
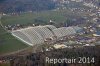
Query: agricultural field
x=8 y=43
x=58 y=16
x=5 y=64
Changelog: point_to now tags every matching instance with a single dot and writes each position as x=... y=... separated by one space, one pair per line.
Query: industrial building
x=38 y=34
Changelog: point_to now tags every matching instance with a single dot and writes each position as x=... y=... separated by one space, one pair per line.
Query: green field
x=41 y=17
x=5 y=64
x=8 y=43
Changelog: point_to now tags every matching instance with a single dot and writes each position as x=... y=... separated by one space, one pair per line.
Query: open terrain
x=8 y=43
x=43 y=17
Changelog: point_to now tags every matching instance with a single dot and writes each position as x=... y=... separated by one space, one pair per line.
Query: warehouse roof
x=38 y=34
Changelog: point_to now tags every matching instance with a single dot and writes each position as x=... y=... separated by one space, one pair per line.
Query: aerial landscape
x=49 y=32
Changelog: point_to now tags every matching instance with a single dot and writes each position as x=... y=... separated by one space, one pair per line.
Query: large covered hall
x=38 y=34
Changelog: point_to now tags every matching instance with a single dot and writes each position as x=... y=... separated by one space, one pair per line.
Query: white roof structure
x=38 y=34
x=43 y=31
x=51 y=27
x=64 y=31
x=77 y=29
x=57 y=46
x=34 y=35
